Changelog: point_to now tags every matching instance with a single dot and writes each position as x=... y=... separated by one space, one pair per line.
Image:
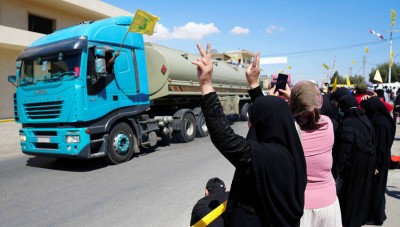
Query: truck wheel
x=121 y=143
x=188 y=128
x=243 y=112
x=201 y=127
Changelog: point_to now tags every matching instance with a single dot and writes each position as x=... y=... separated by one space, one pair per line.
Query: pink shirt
x=317 y=145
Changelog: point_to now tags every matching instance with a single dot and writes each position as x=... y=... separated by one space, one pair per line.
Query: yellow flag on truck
x=143 y=22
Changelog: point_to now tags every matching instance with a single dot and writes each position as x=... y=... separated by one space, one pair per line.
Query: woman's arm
x=345 y=151
x=234 y=147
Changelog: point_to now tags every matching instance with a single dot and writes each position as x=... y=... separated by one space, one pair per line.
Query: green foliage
x=383 y=70
x=356 y=79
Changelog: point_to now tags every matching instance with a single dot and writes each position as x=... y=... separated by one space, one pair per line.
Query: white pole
x=390 y=56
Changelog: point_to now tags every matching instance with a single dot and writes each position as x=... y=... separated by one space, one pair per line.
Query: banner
x=377 y=76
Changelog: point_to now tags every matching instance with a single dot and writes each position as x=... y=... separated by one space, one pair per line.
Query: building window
x=40 y=24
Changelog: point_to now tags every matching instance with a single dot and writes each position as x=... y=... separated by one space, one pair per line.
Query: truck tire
x=201 y=127
x=243 y=112
x=187 y=127
x=121 y=143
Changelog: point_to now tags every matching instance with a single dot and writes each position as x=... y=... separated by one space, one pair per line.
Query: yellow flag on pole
x=143 y=23
x=289 y=67
x=366 y=50
x=325 y=66
x=391 y=59
x=348 y=81
x=378 y=76
x=353 y=62
x=393 y=16
x=334 y=83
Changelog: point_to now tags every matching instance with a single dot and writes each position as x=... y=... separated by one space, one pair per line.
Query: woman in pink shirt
x=321 y=206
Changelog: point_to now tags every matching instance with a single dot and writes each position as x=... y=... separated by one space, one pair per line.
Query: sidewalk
x=9 y=138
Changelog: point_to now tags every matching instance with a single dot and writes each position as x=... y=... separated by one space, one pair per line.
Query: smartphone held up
x=281 y=82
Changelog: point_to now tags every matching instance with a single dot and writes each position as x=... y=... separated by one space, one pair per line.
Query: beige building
x=24 y=21
x=240 y=57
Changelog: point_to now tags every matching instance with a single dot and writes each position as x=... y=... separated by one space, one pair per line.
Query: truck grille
x=43 y=110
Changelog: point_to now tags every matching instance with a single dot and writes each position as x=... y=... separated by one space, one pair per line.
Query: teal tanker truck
x=73 y=102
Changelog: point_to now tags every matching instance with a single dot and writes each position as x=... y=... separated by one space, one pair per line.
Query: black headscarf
x=380 y=93
x=349 y=105
x=374 y=108
x=326 y=108
x=278 y=160
x=330 y=110
x=340 y=92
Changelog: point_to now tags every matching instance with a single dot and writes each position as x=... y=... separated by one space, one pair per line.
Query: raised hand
x=286 y=93
x=204 y=69
x=253 y=71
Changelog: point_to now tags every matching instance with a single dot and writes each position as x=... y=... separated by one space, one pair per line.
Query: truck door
x=127 y=77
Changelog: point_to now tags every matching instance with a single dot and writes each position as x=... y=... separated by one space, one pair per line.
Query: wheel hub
x=121 y=143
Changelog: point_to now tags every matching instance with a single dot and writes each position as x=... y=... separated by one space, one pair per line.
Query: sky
x=308 y=32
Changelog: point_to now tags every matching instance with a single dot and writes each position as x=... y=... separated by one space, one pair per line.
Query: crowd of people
x=309 y=158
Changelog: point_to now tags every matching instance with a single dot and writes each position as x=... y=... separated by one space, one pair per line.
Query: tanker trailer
x=174 y=90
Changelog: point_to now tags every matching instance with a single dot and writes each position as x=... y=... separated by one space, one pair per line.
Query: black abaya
x=270 y=178
x=385 y=129
x=356 y=162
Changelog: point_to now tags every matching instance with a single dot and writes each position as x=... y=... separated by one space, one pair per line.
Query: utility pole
x=350 y=70
x=391 y=55
x=364 y=61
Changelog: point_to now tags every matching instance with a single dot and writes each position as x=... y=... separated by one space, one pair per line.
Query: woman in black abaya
x=356 y=162
x=385 y=130
x=270 y=177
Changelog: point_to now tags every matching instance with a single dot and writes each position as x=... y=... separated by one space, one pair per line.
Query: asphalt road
x=156 y=188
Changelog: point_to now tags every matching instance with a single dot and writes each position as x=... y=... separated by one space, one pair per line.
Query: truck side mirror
x=18 y=64
x=12 y=79
x=100 y=66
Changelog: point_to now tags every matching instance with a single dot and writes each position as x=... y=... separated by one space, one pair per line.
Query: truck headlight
x=22 y=137
x=72 y=139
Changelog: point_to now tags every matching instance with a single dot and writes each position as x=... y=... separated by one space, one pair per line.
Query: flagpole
x=126 y=34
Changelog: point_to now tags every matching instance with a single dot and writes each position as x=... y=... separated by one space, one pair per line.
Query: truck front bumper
x=58 y=142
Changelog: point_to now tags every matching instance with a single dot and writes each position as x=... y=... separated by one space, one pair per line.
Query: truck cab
x=70 y=97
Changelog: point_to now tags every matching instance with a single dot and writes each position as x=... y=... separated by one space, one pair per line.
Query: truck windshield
x=50 y=68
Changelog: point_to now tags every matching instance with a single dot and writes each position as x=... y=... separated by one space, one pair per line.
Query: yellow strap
x=210 y=217
x=6 y=120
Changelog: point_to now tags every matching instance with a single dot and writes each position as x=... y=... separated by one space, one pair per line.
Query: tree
x=383 y=70
x=356 y=79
